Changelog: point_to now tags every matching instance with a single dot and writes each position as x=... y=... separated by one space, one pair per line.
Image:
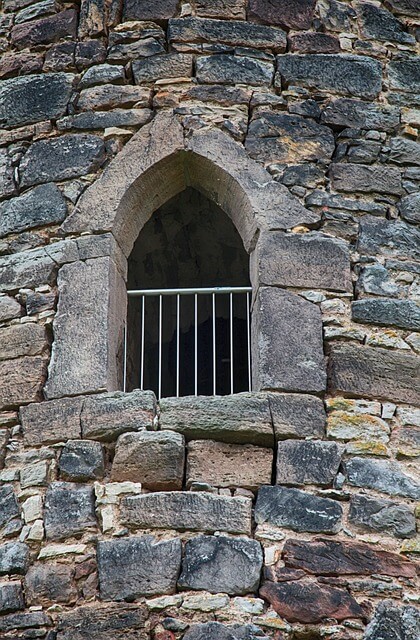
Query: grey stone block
x=403 y=151
x=404 y=75
x=15 y=621
x=404 y=314
x=372 y=514
x=388 y=237
x=297 y=415
x=375 y=279
x=409 y=208
x=376 y=23
x=41 y=206
x=228 y=69
x=366 y=178
x=187 y=511
x=102 y=74
x=11 y=597
x=138 y=567
x=221 y=565
x=381 y=475
x=49 y=422
x=9 y=308
x=307 y=462
x=169 y=65
x=117 y=621
x=213 y=631
x=9 y=508
x=14 y=558
x=296 y=15
x=297 y=510
x=7 y=182
x=69 y=510
x=159 y=10
x=346 y=112
x=393 y=623
x=81 y=460
x=104 y=119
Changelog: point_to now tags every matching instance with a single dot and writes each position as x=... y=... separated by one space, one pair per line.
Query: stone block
x=45 y=30
x=310 y=42
x=407 y=441
x=89 y=52
x=24 y=63
x=352 y=75
x=50 y=422
x=372 y=514
x=14 y=558
x=229 y=69
x=81 y=460
x=326 y=557
x=377 y=23
x=106 y=416
x=228 y=465
x=143 y=48
x=47 y=584
x=388 y=237
x=9 y=308
x=11 y=597
x=136 y=567
x=103 y=74
x=41 y=206
x=366 y=178
x=346 y=425
x=381 y=475
x=193 y=511
x=110 y=96
x=7 y=182
x=297 y=415
x=375 y=279
x=276 y=137
x=241 y=418
x=301 y=462
x=17 y=621
x=404 y=314
x=296 y=361
x=9 y=508
x=34 y=475
x=156 y=10
x=168 y=65
x=68 y=156
x=409 y=208
x=216 y=631
x=69 y=510
x=403 y=151
x=373 y=372
x=119 y=621
x=34 y=98
x=20 y=340
x=345 y=112
x=153 y=458
x=404 y=75
x=21 y=381
x=221 y=565
x=105 y=119
x=310 y=260
x=221 y=9
x=297 y=510
x=390 y=621
x=296 y=15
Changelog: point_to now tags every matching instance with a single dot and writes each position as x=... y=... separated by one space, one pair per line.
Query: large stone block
x=297 y=510
x=404 y=75
x=371 y=514
x=375 y=373
x=366 y=178
x=228 y=69
x=376 y=23
x=21 y=381
x=301 y=462
x=47 y=584
x=68 y=156
x=14 y=558
x=221 y=565
x=381 y=475
x=347 y=74
x=19 y=340
x=191 y=510
x=45 y=30
x=404 y=314
x=170 y=65
x=81 y=461
x=50 y=422
x=241 y=418
x=391 y=622
x=287 y=343
x=312 y=42
x=41 y=206
x=138 y=567
x=109 y=96
x=117 y=621
x=103 y=74
x=11 y=597
x=346 y=112
x=228 y=465
x=409 y=208
x=34 y=98
x=69 y=510
x=296 y=15
x=156 y=10
x=153 y=458
x=310 y=260
x=30 y=621
x=403 y=151
x=297 y=415
x=388 y=237
x=9 y=308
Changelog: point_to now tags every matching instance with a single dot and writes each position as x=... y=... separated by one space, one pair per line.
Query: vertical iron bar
x=231 y=339
x=125 y=359
x=195 y=344
x=248 y=331
x=177 y=343
x=160 y=349
x=143 y=304
x=214 y=342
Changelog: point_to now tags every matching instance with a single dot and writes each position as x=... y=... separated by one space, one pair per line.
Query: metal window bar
x=179 y=293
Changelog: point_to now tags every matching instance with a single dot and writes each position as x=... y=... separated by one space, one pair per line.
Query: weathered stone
x=21 y=381
x=306 y=462
x=187 y=510
x=119 y=621
x=237 y=34
x=381 y=475
x=388 y=237
x=14 y=558
x=304 y=175
x=106 y=416
x=153 y=458
x=320 y=601
x=49 y=422
x=36 y=302
x=404 y=314
x=45 y=30
x=89 y=52
x=403 y=151
x=157 y=10
x=9 y=509
x=311 y=42
x=215 y=631
x=143 y=48
x=43 y=205
x=241 y=418
x=375 y=279
x=170 y=65
x=285 y=138
x=34 y=475
x=409 y=208
x=346 y=425
x=109 y=96
x=376 y=23
x=69 y=510
x=220 y=9
x=382 y=515
x=47 y=584
x=60 y=57
x=326 y=557
x=297 y=510
x=138 y=567
x=61 y=158
x=297 y=416
x=366 y=178
x=393 y=623
x=407 y=441
x=348 y=74
x=373 y=372
x=296 y=362
x=20 y=64
x=35 y=11
x=34 y=98
x=103 y=74
x=228 y=465
x=296 y=15
x=28 y=620
x=221 y=565
x=11 y=597
x=308 y=260
x=346 y=112
x=9 y=308
x=81 y=460
x=228 y=69
x=404 y=74
x=22 y=340
x=105 y=119
x=7 y=182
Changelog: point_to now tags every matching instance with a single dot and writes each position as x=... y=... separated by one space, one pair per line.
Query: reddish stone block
x=49 y=29
x=296 y=14
x=149 y=9
x=20 y=64
x=314 y=43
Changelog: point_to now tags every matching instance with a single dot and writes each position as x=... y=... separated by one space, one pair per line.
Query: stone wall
x=286 y=514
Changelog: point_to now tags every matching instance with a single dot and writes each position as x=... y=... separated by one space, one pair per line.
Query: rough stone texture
x=228 y=465
x=390 y=621
x=404 y=74
x=221 y=565
x=404 y=151
x=366 y=178
x=41 y=206
x=69 y=510
x=409 y=208
x=228 y=69
x=9 y=308
x=46 y=584
x=296 y=362
x=14 y=558
x=187 y=510
x=296 y=15
x=9 y=508
x=297 y=510
x=11 y=597
x=348 y=74
x=81 y=461
x=155 y=459
x=45 y=30
x=241 y=418
x=215 y=631
x=29 y=621
x=7 y=183
x=346 y=112
x=21 y=381
x=300 y=463
x=49 y=422
x=297 y=416
x=119 y=621
x=307 y=261
x=388 y=237
x=374 y=372
x=404 y=314
x=108 y=96
x=159 y=10
x=382 y=515
x=138 y=567
x=171 y=65
x=376 y=23
x=309 y=42
x=34 y=98
x=22 y=340
x=381 y=475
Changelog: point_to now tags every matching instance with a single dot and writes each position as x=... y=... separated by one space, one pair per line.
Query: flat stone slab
x=382 y=475
x=98 y=621
x=371 y=514
x=41 y=206
x=404 y=314
x=301 y=462
x=50 y=422
x=19 y=340
x=11 y=597
x=228 y=69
